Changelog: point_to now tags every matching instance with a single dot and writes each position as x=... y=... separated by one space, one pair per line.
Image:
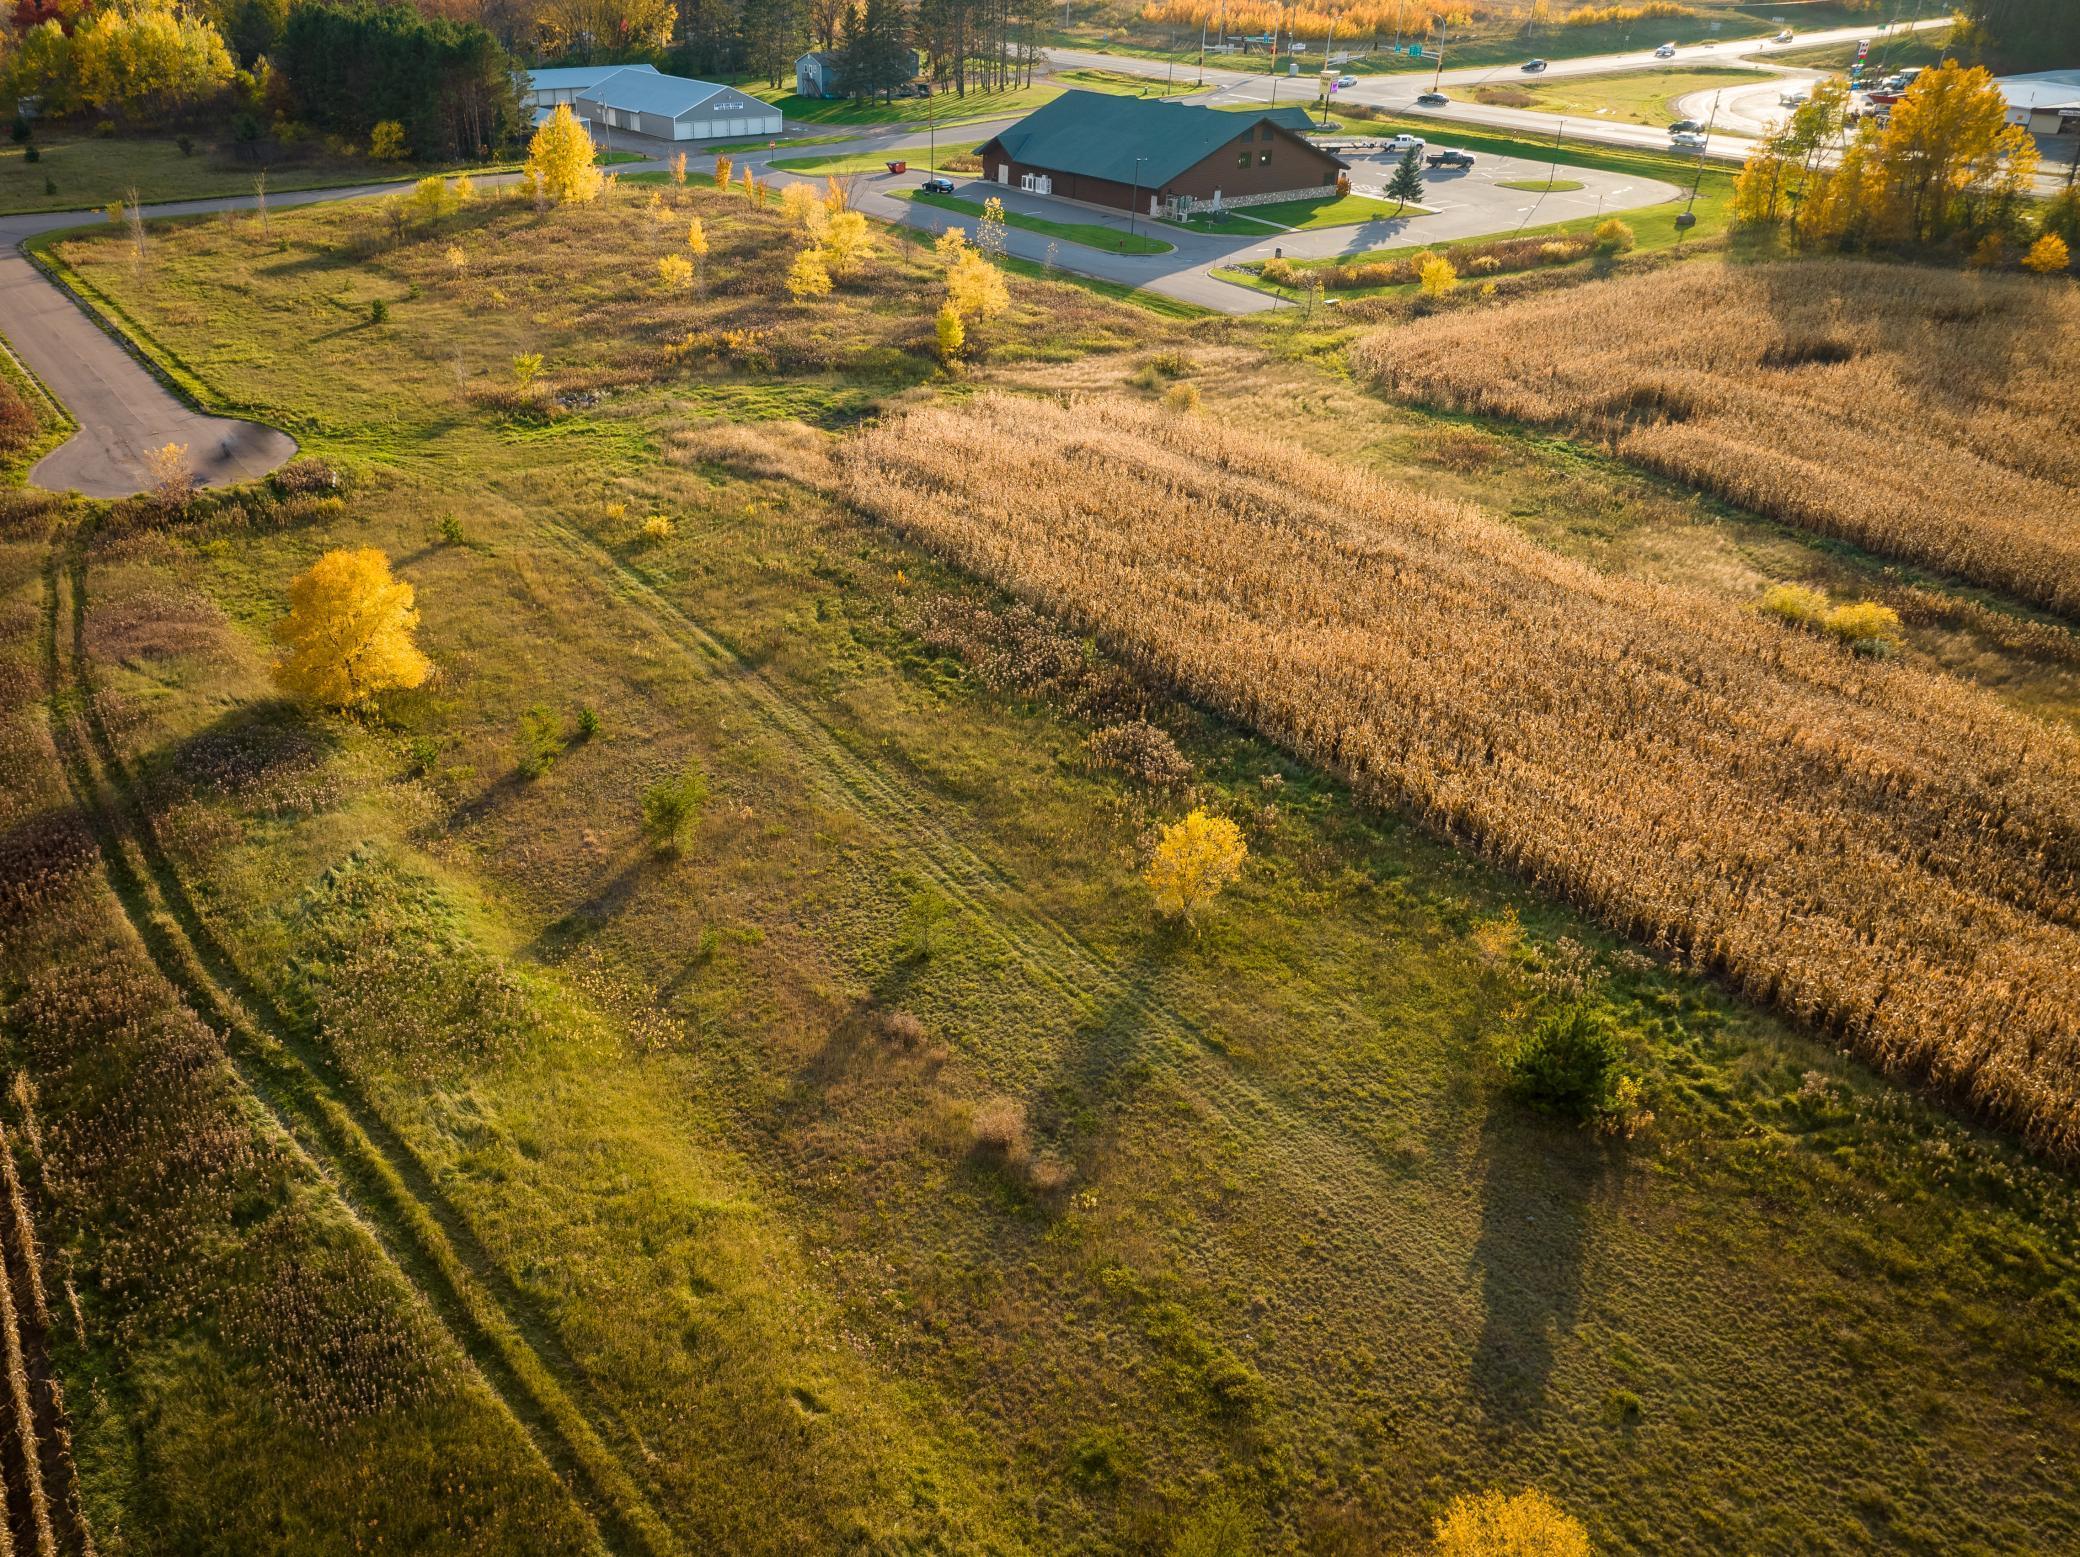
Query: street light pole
x=1134 y=201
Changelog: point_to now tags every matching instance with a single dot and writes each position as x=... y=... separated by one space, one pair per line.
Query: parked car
x=1533 y=65
x=1450 y=159
x=1398 y=144
x=1431 y=99
x=1910 y=75
x=1345 y=83
x=1685 y=140
x=1666 y=51
x=937 y=186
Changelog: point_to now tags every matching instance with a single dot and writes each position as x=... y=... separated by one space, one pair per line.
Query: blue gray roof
x=1102 y=135
x=647 y=92
x=575 y=78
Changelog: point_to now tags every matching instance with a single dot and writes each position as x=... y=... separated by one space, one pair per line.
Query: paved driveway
x=123 y=412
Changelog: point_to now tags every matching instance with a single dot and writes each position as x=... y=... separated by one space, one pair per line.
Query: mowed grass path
x=1303 y=1249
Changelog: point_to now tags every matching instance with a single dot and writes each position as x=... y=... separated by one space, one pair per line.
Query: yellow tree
x=1941 y=138
x=808 y=277
x=560 y=158
x=1437 y=276
x=1194 y=859
x=1527 y=1525
x=2048 y=255
x=722 y=167
x=801 y=206
x=845 y=242
x=674 y=273
x=834 y=199
x=950 y=331
x=975 y=287
x=697 y=247
x=348 y=635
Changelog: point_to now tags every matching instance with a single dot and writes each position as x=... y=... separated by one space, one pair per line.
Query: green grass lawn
x=1332 y=211
x=1542 y=186
x=942 y=108
x=85 y=173
x=1622 y=97
x=1092 y=235
x=1126 y=83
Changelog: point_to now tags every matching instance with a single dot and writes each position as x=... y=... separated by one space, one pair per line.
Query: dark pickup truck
x=1449 y=159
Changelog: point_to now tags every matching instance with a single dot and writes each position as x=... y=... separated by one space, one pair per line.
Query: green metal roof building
x=1156 y=156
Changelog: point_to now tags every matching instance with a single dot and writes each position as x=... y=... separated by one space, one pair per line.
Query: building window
x=1263 y=158
x=1264 y=132
x=1242 y=158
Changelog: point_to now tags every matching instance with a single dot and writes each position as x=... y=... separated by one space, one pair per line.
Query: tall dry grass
x=1889 y=855
x=1925 y=414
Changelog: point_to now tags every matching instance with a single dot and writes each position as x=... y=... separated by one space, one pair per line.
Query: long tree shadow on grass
x=1538 y=1199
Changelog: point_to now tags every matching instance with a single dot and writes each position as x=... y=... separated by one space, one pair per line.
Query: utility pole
x=1134 y=201
x=1689 y=217
x=1434 y=80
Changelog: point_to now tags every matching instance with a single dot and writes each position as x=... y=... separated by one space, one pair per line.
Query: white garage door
x=682 y=129
x=772 y=126
x=739 y=127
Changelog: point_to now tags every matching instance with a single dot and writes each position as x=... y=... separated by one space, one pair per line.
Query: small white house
x=562 y=84
x=673 y=108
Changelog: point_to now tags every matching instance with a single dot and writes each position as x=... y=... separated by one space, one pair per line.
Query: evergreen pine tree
x=1407 y=182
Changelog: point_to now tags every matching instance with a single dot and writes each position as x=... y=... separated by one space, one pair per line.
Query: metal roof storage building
x=673 y=108
x=563 y=83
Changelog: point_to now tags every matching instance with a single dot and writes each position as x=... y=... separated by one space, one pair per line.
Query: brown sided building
x=1160 y=158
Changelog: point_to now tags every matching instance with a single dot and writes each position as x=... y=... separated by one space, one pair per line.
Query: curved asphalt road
x=123 y=412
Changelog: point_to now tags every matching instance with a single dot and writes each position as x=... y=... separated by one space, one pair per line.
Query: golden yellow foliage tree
x=2048 y=255
x=1194 y=859
x=697 y=247
x=975 y=287
x=1527 y=1525
x=834 y=199
x=348 y=635
x=679 y=168
x=950 y=331
x=560 y=158
x=808 y=277
x=845 y=242
x=674 y=273
x=386 y=142
x=1436 y=277
x=801 y=205
x=1943 y=137
x=722 y=167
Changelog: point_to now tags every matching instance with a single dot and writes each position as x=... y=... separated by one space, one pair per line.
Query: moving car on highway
x=1666 y=51
x=1685 y=140
x=1345 y=83
x=1533 y=65
x=1431 y=99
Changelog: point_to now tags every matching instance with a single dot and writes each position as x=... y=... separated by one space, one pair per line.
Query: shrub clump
x=1143 y=751
x=1568 y=1063
x=306 y=477
x=1866 y=627
x=1614 y=237
x=672 y=809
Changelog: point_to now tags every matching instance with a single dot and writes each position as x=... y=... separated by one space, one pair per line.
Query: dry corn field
x=1889 y=855
x=1920 y=413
